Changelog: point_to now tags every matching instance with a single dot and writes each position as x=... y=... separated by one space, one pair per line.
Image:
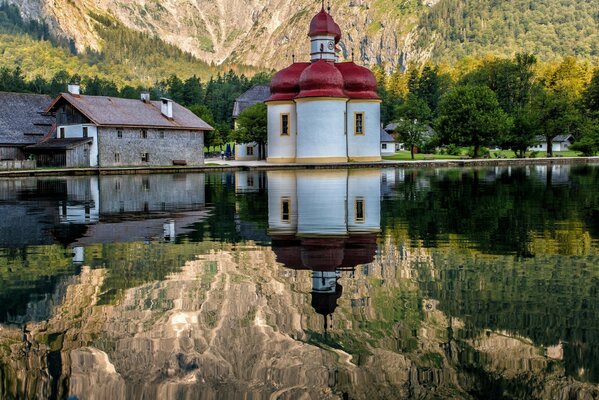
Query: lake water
x=322 y=284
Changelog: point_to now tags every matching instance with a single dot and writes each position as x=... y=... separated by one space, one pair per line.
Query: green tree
x=211 y=138
x=471 y=116
x=412 y=133
x=556 y=115
x=588 y=140
x=252 y=127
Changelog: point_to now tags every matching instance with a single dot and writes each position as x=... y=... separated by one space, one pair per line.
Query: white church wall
x=364 y=147
x=281 y=148
x=364 y=201
x=321 y=130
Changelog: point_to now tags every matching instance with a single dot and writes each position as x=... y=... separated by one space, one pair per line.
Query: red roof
x=321 y=79
x=359 y=82
x=324 y=25
x=285 y=84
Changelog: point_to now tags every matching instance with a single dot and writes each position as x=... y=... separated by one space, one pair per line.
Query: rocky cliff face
x=263 y=33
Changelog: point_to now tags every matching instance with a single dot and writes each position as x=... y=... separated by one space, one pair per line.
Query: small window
x=284 y=124
x=358 y=123
x=161 y=134
x=286 y=209
x=61 y=133
x=121 y=206
x=85 y=132
x=145 y=184
x=250 y=150
x=144 y=134
x=117 y=157
x=250 y=181
x=117 y=185
x=384 y=146
x=360 y=210
x=119 y=134
x=145 y=157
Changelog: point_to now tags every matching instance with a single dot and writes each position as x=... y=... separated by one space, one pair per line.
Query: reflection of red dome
x=359 y=82
x=285 y=84
x=324 y=25
x=359 y=249
x=321 y=79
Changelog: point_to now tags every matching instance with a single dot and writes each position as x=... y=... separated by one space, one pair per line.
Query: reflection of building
x=326 y=222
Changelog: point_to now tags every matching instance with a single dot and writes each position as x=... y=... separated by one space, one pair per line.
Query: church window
x=286 y=209
x=360 y=212
x=284 y=124
x=358 y=123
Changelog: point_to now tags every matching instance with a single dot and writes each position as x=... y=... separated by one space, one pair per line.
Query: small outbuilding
x=388 y=145
x=559 y=143
x=99 y=131
x=22 y=123
x=255 y=95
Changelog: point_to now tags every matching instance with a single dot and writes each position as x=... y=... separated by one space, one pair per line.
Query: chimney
x=167 y=108
x=145 y=97
x=74 y=89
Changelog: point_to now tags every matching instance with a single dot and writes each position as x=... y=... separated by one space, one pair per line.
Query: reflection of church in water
x=325 y=221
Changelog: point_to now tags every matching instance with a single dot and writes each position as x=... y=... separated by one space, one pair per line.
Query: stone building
x=98 y=131
x=22 y=123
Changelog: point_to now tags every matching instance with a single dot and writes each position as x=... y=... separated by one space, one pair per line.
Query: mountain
x=266 y=33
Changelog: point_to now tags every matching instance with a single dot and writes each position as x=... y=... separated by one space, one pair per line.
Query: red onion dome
x=324 y=25
x=321 y=79
x=322 y=254
x=360 y=82
x=285 y=83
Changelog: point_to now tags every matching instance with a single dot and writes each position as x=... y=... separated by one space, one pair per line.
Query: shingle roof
x=385 y=137
x=257 y=94
x=391 y=127
x=115 y=111
x=60 y=144
x=556 y=139
x=21 y=121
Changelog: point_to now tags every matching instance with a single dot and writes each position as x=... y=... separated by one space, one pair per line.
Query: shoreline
x=263 y=166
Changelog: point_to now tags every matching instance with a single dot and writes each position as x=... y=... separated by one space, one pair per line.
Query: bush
x=483 y=152
x=453 y=150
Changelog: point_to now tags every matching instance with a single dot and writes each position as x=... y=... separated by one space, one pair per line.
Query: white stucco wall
x=241 y=151
x=321 y=202
x=282 y=185
x=390 y=150
x=367 y=145
x=76 y=131
x=327 y=54
x=321 y=130
x=365 y=186
x=281 y=148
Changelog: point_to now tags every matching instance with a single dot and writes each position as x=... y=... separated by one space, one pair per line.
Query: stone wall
x=17 y=164
x=162 y=147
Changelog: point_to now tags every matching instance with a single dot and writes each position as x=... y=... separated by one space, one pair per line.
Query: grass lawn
x=405 y=155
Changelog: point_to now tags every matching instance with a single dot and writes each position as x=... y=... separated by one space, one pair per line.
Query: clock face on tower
x=331 y=45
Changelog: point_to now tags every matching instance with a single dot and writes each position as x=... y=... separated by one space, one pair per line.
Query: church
x=323 y=111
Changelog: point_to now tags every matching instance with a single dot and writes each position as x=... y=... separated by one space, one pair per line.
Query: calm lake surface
x=322 y=284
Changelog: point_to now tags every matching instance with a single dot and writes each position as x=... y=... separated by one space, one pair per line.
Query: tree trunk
x=476 y=148
x=412 y=151
x=549 y=146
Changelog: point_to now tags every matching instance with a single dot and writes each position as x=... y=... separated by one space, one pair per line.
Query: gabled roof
x=118 y=112
x=385 y=137
x=21 y=119
x=255 y=95
x=556 y=139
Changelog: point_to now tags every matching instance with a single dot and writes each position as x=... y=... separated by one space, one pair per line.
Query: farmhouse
x=98 y=131
x=22 y=123
x=558 y=143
